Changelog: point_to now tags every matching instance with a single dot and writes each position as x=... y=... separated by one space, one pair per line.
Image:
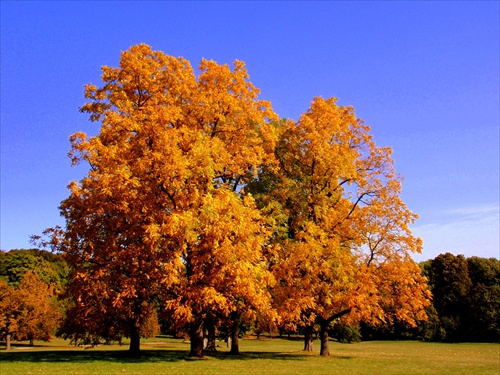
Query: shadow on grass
x=146 y=356
x=86 y=356
x=259 y=355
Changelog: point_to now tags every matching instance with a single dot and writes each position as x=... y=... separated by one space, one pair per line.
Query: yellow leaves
x=163 y=206
x=180 y=312
x=338 y=215
x=152 y=233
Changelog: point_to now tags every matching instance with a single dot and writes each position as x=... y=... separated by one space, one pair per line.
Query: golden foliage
x=161 y=210
x=341 y=228
x=28 y=311
x=166 y=210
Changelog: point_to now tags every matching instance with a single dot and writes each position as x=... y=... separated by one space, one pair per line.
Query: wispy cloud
x=474 y=212
x=463 y=230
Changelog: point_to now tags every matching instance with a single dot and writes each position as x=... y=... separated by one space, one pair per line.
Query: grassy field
x=169 y=356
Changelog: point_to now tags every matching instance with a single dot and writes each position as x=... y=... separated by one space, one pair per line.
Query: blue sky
x=423 y=75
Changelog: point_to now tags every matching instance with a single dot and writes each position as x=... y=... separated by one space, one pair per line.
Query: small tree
x=29 y=311
x=11 y=312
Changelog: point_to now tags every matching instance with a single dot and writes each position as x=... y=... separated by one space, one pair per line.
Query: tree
x=11 y=312
x=29 y=310
x=341 y=231
x=172 y=150
x=466 y=299
x=51 y=268
x=166 y=209
x=450 y=282
x=483 y=318
x=41 y=311
x=225 y=273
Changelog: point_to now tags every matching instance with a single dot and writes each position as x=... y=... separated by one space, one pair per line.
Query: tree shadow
x=83 y=356
x=248 y=356
x=146 y=356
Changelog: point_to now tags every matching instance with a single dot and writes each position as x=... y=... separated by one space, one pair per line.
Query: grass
x=170 y=356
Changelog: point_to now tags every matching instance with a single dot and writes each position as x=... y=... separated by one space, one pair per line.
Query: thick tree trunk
x=196 y=337
x=135 y=339
x=211 y=347
x=7 y=341
x=235 y=348
x=325 y=350
x=308 y=338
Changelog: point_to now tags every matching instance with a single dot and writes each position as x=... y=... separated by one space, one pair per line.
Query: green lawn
x=169 y=356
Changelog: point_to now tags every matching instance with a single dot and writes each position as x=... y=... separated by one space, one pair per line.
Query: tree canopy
x=466 y=299
x=28 y=310
x=342 y=232
x=200 y=198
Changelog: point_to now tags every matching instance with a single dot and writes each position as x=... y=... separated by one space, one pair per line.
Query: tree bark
x=235 y=348
x=135 y=339
x=325 y=350
x=7 y=341
x=211 y=347
x=196 y=337
x=308 y=338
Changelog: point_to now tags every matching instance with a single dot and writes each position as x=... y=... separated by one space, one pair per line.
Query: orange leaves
x=161 y=209
x=337 y=213
x=166 y=209
x=231 y=112
x=28 y=311
x=224 y=265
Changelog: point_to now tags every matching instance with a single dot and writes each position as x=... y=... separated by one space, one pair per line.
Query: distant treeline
x=465 y=305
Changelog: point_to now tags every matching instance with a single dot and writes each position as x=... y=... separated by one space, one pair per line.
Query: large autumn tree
x=341 y=232
x=161 y=211
x=164 y=209
x=223 y=234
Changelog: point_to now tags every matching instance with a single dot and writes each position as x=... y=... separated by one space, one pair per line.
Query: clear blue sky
x=423 y=75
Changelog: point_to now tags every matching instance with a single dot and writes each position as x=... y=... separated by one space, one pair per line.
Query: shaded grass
x=170 y=356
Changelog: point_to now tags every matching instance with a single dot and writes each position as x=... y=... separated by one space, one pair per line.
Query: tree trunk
x=235 y=348
x=211 y=347
x=324 y=324
x=196 y=337
x=308 y=338
x=135 y=339
x=7 y=341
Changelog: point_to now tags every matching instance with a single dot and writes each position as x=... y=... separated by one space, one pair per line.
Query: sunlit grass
x=276 y=356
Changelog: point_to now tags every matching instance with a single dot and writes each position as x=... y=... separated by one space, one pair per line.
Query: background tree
x=483 y=319
x=41 y=313
x=468 y=305
x=466 y=298
x=51 y=268
x=32 y=280
x=450 y=282
x=29 y=310
x=340 y=228
x=11 y=311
